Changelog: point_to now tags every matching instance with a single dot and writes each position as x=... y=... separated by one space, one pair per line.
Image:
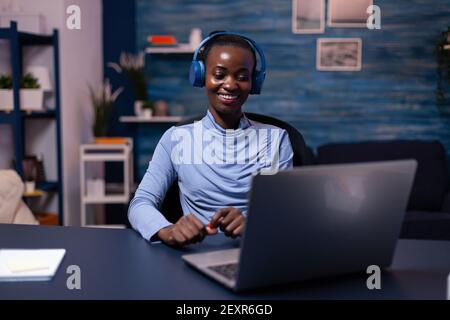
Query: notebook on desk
x=29 y=264
x=317 y=221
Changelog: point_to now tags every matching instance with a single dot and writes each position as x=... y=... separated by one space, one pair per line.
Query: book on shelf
x=111 y=140
x=162 y=40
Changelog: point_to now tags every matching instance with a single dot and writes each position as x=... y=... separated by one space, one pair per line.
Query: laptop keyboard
x=229 y=270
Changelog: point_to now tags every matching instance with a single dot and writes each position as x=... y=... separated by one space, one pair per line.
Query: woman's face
x=228 y=78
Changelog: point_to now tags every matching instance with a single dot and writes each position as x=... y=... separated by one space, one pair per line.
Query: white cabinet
x=108 y=193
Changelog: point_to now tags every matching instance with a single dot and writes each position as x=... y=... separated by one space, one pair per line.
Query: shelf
x=104 y=157
x=39 y=114
x=7 y=116
x=36 y=193
x=106 y=199
x=26 y=38
x=135 y=119
x=181 y=48
x=35 y=39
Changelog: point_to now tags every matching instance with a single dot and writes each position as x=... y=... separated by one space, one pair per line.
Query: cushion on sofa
x=431 y=181
x=426 y=225
x=12 y=207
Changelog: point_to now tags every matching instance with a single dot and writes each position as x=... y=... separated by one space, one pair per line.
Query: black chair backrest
x=171 y=207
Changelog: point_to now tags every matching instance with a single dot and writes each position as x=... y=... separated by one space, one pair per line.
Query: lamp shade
x=43 y=75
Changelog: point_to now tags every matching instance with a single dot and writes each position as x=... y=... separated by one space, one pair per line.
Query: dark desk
x=119 y=264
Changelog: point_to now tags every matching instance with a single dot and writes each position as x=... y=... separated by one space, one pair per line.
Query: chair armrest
x=446 y=203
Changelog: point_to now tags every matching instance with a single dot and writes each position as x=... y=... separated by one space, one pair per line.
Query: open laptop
x=317 y=221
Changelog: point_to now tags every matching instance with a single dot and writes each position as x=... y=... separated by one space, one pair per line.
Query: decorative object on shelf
x=161 y=108
x=162 y=40
x=134 y=67
x=30 y=173
x=111 y=140
x=195 y=37
x=442 y=52
x=103 y=101
x=31 y=94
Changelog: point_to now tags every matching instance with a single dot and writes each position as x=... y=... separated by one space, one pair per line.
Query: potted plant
x=102 y=102
x=147 y=109
x=31 y=96
x=134 y=67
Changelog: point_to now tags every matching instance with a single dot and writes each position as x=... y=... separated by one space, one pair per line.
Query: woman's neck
x=227 y=121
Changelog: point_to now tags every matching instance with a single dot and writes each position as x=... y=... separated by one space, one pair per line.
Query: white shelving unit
x=98 y=152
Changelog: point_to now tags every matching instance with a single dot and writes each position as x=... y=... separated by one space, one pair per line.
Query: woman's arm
x=143 y=212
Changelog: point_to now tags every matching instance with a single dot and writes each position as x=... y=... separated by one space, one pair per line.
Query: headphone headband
x=223 y=33
x=198 y=69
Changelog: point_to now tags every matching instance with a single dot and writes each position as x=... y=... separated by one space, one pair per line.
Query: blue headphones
x=198 y=68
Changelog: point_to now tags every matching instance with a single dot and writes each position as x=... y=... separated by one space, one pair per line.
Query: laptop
x=312 y=222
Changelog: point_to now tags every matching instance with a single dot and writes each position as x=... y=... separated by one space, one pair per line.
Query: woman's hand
x=188 y=229
x=230 y=220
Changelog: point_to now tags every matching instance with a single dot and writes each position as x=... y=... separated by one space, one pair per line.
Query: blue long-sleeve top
x=213 y=166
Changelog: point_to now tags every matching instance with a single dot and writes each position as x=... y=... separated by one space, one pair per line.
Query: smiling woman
x=213 y=160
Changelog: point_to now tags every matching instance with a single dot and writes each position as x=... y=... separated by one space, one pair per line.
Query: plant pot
x=30 y=99
x=6 y=100
x=147 y=113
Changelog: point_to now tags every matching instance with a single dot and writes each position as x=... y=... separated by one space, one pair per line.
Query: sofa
x=12 y=207
x=428 y=211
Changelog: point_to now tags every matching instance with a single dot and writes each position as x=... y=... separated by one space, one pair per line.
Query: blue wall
x=392 y=97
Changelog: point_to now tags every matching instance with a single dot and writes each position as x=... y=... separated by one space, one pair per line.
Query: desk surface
x=119 y=264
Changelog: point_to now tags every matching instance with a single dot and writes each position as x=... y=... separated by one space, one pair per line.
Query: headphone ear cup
x=258 y=80
x=197 y=74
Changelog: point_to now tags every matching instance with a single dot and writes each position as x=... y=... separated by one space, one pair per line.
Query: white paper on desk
x=29 y=264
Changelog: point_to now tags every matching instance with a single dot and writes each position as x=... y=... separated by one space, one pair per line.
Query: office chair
x=171 y=206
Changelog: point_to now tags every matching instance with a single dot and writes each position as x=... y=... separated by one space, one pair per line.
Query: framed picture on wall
x=348 y=13
x=308 y=16
x=339 y=54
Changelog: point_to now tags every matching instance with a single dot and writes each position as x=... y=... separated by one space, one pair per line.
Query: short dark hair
x=226 y=40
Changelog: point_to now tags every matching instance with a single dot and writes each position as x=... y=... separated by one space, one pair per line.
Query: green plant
x=5 y=82
x=442 y=52
x=147 y=105
x=102 y=101
x=133 y=66
x=28 y=81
